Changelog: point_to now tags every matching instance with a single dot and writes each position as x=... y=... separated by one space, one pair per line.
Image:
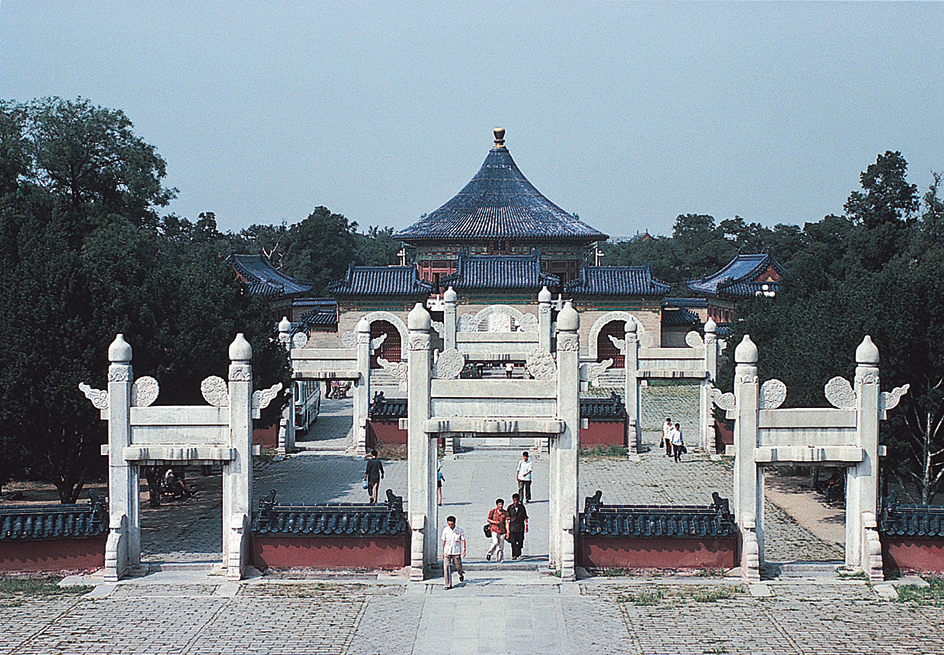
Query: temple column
x=421 y=449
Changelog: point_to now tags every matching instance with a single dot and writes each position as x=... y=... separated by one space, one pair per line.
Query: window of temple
x=606 y=349
x=389 y=349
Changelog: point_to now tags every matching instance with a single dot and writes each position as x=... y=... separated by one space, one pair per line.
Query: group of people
x=503 y=524
x=672 y=440
x=337 y=389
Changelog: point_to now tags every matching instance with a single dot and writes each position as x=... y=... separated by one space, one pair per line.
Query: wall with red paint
x=53 y=554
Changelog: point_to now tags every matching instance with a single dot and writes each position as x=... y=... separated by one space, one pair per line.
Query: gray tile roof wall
x=331 y=519
x=694 y=521
x=499 y=272
x=48 y=522
x=616 y=281
x=380 y=281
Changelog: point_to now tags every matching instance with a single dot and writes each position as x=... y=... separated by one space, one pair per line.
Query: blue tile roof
x=386 y=409
x=603 y=409
x=916 y=521
x=677 y=316
x=380 y=281
x=263 y=278
x=684 y=302
x=331 y=519
x=615 y=281
x=499 y=272
x=737 y=278
x=47 y=522
x=499 y=203
x=599 y=520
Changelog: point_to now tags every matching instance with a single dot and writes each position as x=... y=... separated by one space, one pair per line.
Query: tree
x=83 y=255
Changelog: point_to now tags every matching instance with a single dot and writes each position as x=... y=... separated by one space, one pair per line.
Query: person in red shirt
x=498 y=522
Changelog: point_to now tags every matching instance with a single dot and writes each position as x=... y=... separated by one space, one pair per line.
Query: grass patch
x=683 y=594
x=710 y=573
x=14 y=592
x=614 y=572
x=932 y=595
x=315 y=590
x=392 y=452
x=604 y=452
x=265 y=456
x=849 y=575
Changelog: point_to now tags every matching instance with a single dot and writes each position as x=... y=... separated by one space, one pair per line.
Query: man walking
x=667 y=437
x=523 y=475
x=517 y=525
x=453 y=541
x=373 y=475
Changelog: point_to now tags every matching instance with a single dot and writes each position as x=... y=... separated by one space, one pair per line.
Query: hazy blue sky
x=627 y=114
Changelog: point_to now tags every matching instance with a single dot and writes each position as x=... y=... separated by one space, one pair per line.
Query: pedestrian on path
x=678 y=444
x=373 y=475
x=453 y=541
x=517 y=525
x=667 y=437
x=439 y=480
x=523 y=475
x=498 y=522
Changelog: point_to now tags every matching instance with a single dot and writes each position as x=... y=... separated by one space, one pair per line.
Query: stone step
x=806 y=570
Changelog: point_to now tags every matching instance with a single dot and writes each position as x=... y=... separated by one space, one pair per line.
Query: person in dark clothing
x=517 y=525
x=374 y=474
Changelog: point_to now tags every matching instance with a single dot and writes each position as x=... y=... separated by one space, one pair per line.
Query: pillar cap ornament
x=711 y=326
x=450 y=295
x=746 y=352
x=363 y=325
x=867 y=352
x=240 y=350
x=631 y=326
x=285 y=325
x=119 y=350
x=568 y=319
x=418 y=318
x=544 y=295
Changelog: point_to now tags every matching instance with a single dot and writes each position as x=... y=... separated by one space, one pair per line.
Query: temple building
x=500 y=242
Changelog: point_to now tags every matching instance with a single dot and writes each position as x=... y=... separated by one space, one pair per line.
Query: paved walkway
x=183 y=607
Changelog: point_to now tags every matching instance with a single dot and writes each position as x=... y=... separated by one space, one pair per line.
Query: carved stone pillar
x=707 y=427
x=421 y=449
x=544 y=319
x=287 y=439
x=631 y=390
x=237 y=474
x=862 y=479
x=361 y=387
x=566 y=444
x=748 y=483
x=450 y=298
x=123 y=548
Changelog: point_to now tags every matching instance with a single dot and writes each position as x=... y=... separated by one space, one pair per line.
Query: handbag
x=487 y=529
x=366 y=484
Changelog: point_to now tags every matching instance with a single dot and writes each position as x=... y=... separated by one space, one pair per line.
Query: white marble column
x=862 y=479
x=748 y=484
x=450 y=299
x=705 y=413
x=566 y=445
x=287 y=442
x=631 y=390
x=544 y=319
x=237 y=474
x=123 y=549
x=361 y=388
x=421 y=449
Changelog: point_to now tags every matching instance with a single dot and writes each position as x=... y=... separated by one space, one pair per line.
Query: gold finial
x=499 y=133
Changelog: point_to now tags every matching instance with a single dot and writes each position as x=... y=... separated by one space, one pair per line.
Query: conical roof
x=499 y=203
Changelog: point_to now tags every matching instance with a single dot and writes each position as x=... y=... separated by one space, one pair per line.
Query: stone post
x=362 y=387
x=450 y=299
x=705 y=412
x=748 y=484
x=123 y=548
x=566 y=447
x=862 y=479
x=544 y=319
x=237 y=475
x=421 y=449
x=287 y=438
x=631 y=391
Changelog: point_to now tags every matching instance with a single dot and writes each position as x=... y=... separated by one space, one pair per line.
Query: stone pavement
x=184 y=607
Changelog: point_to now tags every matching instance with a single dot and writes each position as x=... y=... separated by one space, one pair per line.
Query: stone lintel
x=808 y=455
x=175 y=453
x=494 y=426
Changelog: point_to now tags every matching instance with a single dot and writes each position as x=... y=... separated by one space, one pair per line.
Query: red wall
x=603 y=433
x=331 y=552
x=386 y=432
x=657 y=553
x=910 y=554
x=53 y=555
x=268 y=437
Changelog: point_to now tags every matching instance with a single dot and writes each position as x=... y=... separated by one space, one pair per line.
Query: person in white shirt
x=667 y=437
x=453 y=541
x=678 y=444
x=523 y=475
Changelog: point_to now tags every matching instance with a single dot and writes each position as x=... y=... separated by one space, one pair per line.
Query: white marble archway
x=601 y=322
x=391 y=318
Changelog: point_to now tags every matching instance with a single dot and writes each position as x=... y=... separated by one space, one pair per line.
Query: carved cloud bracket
x=725 y=401
x=399 y=370
x=449 y=364
x=772 y=394
x=541 y=365
x=262 y=398
x=98 y=397
x=889 y=399
x=592 y=372
x=840 y=393
x=215 y=391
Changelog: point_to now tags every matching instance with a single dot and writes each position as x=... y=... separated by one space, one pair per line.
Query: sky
x=625 y=113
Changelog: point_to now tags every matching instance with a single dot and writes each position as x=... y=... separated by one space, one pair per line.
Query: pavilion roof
x=739 y=279
x=265 y=279
x=499 y=203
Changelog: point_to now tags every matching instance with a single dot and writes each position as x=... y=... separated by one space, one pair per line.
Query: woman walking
x=498 y=522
